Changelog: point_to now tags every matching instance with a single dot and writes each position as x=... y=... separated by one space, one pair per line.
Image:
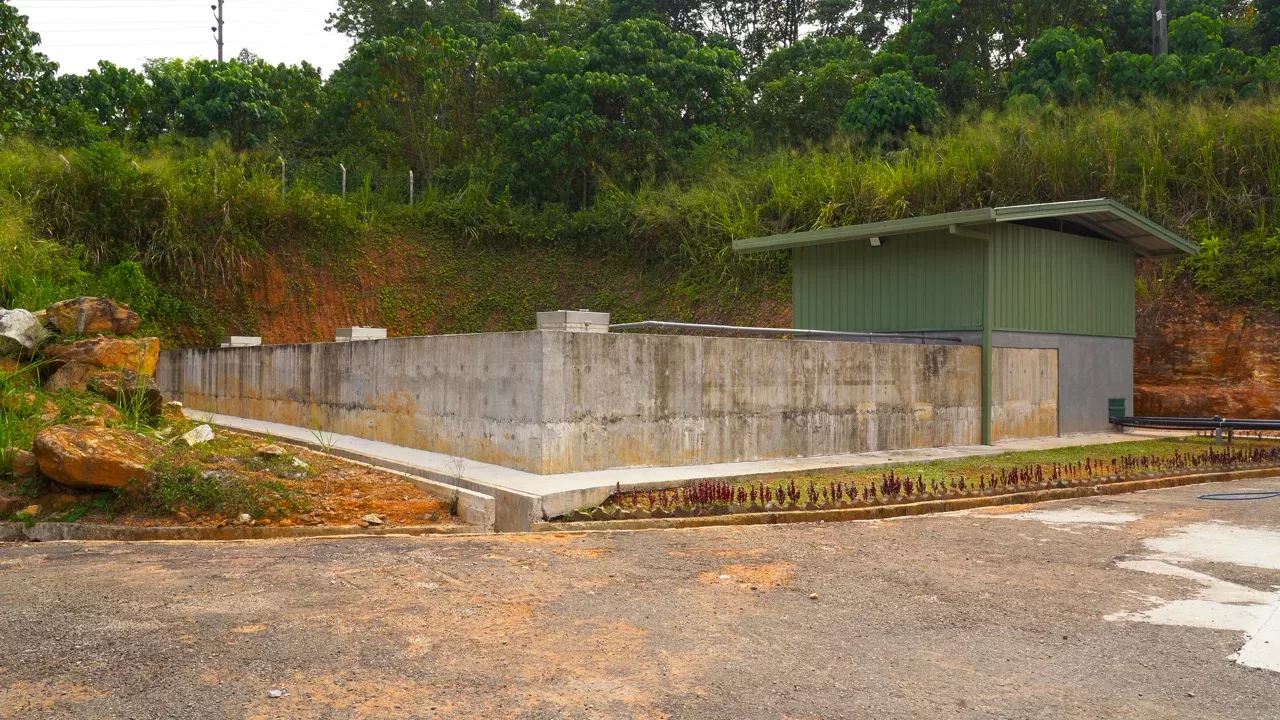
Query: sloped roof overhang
x=1101 y=217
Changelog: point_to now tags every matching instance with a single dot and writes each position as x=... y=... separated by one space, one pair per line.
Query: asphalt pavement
x=1150 y=605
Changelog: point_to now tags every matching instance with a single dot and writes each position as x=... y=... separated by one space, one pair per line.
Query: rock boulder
x=92 y=315
x=197 y=435
x=137 y=354
x=98 y=414
x=126 y=387
x=21 y=333
x=72 y=376
x=9 y=505
x=22 y=462
x=94 y=457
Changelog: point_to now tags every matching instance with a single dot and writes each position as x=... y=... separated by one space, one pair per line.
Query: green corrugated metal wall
x=1048 y=281
x=928 y=281
x=1045 y=281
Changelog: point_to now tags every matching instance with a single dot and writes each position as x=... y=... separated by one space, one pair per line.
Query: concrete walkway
x=523 y=498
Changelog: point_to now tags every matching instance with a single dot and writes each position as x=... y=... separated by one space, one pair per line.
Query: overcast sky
x=78 y=33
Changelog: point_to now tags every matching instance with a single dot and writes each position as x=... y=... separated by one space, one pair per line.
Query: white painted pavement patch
x=1218 y=605
x=1263 y=649
x=1074 y=516
x=1221 y=542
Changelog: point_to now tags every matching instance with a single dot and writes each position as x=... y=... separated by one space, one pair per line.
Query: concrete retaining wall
x=1091 y=371
x=550 y=402
x=1024 y=401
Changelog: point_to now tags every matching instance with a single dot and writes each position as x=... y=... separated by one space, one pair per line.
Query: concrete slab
x=524 y=498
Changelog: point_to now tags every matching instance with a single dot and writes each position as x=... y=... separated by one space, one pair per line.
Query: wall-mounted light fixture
x=875 y=242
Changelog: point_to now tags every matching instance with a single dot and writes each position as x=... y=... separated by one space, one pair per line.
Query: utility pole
x=1159 y=29
x=217 y=29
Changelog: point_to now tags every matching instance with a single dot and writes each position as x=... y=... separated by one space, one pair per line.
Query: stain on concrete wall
x=1024 y=392
x=550 y=402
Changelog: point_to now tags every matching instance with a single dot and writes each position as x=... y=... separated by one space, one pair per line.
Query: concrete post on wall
x=574 y=321
x=359 y=333
x=241 y=341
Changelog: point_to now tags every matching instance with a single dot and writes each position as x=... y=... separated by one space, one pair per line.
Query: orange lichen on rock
x=92 y=315
x=94 y=457
x=137 y=354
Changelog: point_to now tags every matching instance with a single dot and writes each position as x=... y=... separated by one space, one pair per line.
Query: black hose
x=1246 y=495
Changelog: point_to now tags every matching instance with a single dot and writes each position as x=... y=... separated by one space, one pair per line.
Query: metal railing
x=1219 y=425
x=1213 y=423
x=920 y=338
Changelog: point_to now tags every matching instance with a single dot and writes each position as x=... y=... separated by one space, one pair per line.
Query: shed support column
x=988 y=314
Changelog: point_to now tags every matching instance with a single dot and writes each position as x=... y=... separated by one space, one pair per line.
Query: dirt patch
x=772 y=576
x=584 y=553
x=753 y=552
x=1005 y=509
x=358 y=694
x=541 y=538
x=214 y=484
x=22 y=698
x=426 y=286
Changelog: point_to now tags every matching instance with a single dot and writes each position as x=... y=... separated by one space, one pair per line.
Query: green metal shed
x=1053 y=275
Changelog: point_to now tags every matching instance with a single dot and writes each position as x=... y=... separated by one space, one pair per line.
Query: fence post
x=344 y=180
x=410 y=187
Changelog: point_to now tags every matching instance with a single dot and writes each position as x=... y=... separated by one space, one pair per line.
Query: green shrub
x=35 y=273
x=1060 y=65
x=222 y=492
x=128 y=283
x=1195 y=34
x=891 y=104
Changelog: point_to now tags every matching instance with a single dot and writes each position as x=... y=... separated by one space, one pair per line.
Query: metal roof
x=1101 y=217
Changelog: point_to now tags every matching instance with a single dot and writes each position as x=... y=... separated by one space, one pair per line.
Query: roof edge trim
x=1009 y=213
x=864 y=231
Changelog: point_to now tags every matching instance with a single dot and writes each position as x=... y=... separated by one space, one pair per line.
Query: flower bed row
x=718 y=497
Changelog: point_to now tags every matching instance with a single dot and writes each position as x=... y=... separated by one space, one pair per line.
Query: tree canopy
x=555 y=102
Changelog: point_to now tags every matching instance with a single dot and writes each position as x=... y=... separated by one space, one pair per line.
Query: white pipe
x=834 y=334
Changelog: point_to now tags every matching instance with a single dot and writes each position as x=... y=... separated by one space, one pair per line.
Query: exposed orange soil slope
x=1194 y=358
x=413 y=288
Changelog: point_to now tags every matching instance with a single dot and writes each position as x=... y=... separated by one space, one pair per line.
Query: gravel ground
x=979 y=615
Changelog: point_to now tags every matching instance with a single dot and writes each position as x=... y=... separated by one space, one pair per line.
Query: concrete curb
x=12 y=532
x=54 y=531
x=925 y=507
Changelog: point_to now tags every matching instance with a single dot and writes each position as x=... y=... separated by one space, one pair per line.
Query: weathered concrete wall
x=551 y=402
x=476 y=396
x=1024 y=393
x=1091 y=370
x=623 y=399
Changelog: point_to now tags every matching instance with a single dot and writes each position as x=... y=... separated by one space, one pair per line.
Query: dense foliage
x=652 y=129
x=555 y=102
x=891 y=104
